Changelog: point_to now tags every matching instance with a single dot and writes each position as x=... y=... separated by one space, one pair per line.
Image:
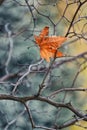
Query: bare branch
x=68 y=90
x=9 y=33
x=25 y=74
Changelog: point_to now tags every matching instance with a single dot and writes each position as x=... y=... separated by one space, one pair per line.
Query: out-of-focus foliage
x=24 y=25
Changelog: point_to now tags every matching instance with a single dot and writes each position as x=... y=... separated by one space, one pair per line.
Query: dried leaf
x=49 y=44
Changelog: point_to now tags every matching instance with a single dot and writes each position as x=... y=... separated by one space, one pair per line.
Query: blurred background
x=20 y=20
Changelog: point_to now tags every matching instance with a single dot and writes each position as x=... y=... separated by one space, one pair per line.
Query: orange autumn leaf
x=49 y=44
x=42 y=35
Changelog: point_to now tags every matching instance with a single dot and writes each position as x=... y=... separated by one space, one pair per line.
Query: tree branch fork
x=79 y=115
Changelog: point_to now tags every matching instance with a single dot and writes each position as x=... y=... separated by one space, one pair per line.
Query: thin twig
x=9 y=33
x=30 y=115
x=68 y=90
x=14 y=120
x=25 y=74
x=75 y=14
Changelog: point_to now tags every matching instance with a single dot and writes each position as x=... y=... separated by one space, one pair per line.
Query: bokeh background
x=57 y=14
